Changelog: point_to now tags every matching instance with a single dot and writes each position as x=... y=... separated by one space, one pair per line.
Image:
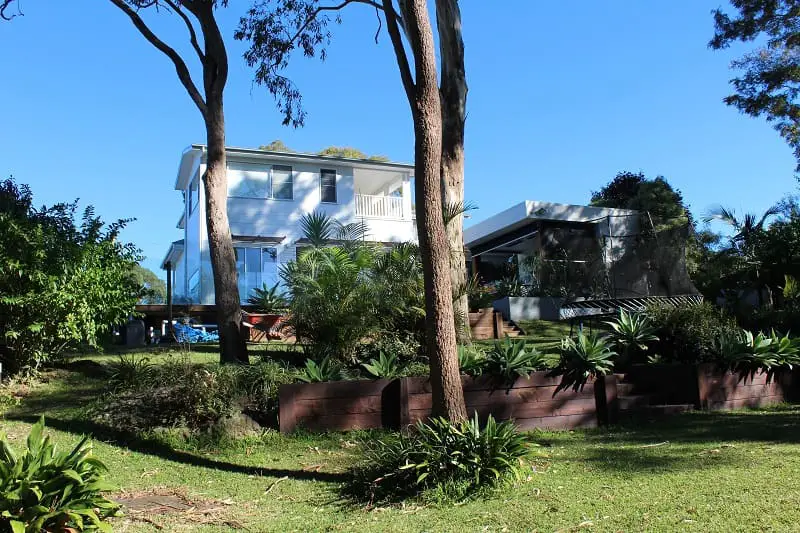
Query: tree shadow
x=156 y=448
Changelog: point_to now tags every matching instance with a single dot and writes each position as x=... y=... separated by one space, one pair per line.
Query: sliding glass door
x=255 y=266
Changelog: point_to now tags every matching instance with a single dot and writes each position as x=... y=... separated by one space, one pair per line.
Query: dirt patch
x=148 y=506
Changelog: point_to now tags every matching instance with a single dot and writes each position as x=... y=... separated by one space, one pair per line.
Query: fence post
x=286 y=417
x=606 y=400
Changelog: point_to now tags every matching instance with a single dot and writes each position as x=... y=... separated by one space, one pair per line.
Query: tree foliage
x=350 y=153
x=154 y=289
x=63 y=281
x=277 y=146
x=769 y=81
x=657 y=197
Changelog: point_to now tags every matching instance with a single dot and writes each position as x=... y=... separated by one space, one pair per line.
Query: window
x=282 y=186
x=247 y=180
x=194 y=195
x=327 y=186
x=255 y=267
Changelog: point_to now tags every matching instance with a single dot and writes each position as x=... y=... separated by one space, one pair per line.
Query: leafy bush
x=62 y=282
x=385 y=367
x=415 y=369
x=325 y=370
x=268 y=299
x=405 y=347
x=512 y=359
x=689 y=334
x=471 y=360
x=632 y=332
x=458 y=459
x=47 y=490
x=255 y=387
x=582 y=358
x=131 y=371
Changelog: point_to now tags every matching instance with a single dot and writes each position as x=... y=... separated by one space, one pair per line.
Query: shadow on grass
x=157 y=448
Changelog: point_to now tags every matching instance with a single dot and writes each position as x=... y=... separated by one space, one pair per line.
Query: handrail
x=375 y=206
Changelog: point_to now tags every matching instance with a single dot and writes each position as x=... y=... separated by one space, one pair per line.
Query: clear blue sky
x=561 y=99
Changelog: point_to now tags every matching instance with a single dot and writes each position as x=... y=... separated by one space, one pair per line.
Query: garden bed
x=531 y=402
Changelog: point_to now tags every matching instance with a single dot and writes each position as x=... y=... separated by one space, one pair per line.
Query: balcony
x=371 y=206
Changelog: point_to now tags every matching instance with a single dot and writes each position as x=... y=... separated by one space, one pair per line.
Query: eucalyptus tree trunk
x=423 y=96
x=453 y=93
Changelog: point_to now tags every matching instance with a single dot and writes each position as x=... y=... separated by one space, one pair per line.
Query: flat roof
x=524 y=212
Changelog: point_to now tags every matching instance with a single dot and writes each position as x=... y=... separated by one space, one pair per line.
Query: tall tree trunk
x=233 y=348
x=453 y=94
x=232 y=343
x=448 y=395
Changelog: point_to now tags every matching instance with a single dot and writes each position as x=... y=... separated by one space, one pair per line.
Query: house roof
x=173 y=254
x=522 y=214
x=194 y=154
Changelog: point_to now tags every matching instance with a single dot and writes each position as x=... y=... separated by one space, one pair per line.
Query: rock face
x=237 y=425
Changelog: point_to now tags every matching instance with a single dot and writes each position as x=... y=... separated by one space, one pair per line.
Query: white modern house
x=268 y=194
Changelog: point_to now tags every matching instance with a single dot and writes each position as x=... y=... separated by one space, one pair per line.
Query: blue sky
x=561 y=99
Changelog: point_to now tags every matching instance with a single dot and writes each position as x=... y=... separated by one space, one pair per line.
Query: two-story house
x=268 y=194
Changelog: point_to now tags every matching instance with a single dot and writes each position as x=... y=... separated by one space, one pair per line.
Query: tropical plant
x=384 y=367
x=131 y=371
x=268 y=300
x=458 y=459
x=747 y=354
x=471 y=361
x=325 y=370
x=512 y=359
x=48 y=490
x=791 y=288
x=399 y=291
x=632 y=332
x=510 y=286
x=582 y=358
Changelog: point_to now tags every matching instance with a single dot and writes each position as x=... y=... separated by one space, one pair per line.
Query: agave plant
x=582 y=358
x=49 y=490
x=632 y=332
x=385 y=367
x=747 y=354
x=268 y=299
x=470 y=360
x=325 y=370
x=512 y=359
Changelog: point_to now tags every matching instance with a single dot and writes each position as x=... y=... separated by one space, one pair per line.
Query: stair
x=487 y=323
x=511 y=329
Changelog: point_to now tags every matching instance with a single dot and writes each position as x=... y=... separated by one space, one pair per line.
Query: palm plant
x=632 y=332
x=747 y=230
x=747 y=354
x=582 y=358
x=268 y=299
x=471 y=361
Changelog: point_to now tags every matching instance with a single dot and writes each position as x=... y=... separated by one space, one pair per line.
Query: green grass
x=696 y=472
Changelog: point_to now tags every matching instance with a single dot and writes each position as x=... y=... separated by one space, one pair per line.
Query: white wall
x=266 y=217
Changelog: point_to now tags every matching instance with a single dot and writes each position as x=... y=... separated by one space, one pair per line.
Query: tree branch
x=4 y=5
x=180 y=66
x=190 y=27
x=399 y=50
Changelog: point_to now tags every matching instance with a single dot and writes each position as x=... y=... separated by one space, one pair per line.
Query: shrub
x=584 y=357
x=131 y=371
x=689 y=334
x=255 y=387
x=471 y=360
x=405 y=347
x=47 y=490
x=415 y=369
x=458 y=459
x=512 y=359
x=385 y=367
x=326 y=370
x=63 y=282
x=632 y=332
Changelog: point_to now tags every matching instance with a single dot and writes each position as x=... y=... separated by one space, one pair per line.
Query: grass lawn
x=732 y=471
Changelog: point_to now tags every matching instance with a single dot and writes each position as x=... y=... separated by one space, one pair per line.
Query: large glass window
x=255 y=267
x=327 y=186
x=248 y=181
x=282 y=183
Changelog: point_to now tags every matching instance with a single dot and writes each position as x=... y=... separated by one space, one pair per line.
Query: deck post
x=169 y=300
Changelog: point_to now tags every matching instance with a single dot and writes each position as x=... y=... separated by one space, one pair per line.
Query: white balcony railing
x=379 y=206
